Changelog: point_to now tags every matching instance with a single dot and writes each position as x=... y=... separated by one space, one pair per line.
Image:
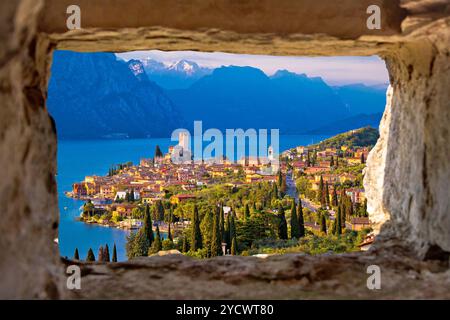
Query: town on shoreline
x=323 y=180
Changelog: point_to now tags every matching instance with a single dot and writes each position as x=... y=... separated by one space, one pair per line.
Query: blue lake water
x=79 y=158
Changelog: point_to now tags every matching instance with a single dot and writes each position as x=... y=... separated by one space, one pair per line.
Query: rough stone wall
x=407 y=173
x=29 y=262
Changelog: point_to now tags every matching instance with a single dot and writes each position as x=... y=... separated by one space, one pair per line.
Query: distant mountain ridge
x=245 y=97
x=94 y=95
x=360 y=98
x=97 y=95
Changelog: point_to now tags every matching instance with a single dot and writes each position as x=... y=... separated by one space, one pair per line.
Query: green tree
x=206 y=228
x=227 y=238
x=363 y=160
x=332 y=161
x=233 y=247
x=106 y=256
x=167 y=244
x=90 y=256
x=196 y=241
x=282 y=225
x=233 y=234
x=158 y=152
x=114 y=255
x=246 y=213
x=222 y=225
x=339 y=221
x=275 y=194
x=100 y=254
x=215 y=238
x=157 y=244
x=148 y=226
x=334 y=201
x=76 y=256
x=320 y=191
x=283 y=188
x=185 y=247
x=327 y=195
x=280 y=178
x=295 y=232
x=301 y=220
x=323 y=224
x=138 y=244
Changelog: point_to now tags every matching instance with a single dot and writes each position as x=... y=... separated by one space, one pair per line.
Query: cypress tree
x=282 y=226
x=295 y=233
x=100 y=254
x=327 y=195
x=334 y=201
x=215 y=238
x=320 y=191
x=233 y=247
x=184 y=248
x=246 y=213
x=280 y=178
x=227 y=238
x=196 y=242
x=222 y=225
x=169 y=233
x=114 y=255
x=106 y=257
x=332 y=161
x=76 y=256
x=158 y=153
x=339 y=222
x=323 y=224
x=233 y=235
x=365 y=213
x=363 y=160
x=275 y=191
x=148 y=226
x=156 y=245
x=301 y=222
x=334 y=227
x=283 y=188
x=90 y=256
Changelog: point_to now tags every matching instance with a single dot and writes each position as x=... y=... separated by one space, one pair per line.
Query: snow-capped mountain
x=176 y=75
x=183 y=66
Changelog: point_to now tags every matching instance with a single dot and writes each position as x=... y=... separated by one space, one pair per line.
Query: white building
x=121 y=195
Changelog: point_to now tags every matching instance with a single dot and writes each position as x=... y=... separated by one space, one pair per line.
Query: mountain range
x=245 y=97
x=94 y=95
x=97 y=95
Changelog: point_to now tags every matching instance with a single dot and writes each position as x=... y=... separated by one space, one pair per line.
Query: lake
x=80 y=158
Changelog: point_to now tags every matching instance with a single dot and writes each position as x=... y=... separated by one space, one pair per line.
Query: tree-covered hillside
x=363 y=137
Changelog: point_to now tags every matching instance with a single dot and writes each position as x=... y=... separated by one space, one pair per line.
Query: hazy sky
x=334 y=70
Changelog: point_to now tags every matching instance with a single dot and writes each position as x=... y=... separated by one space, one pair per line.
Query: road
x=292 y=192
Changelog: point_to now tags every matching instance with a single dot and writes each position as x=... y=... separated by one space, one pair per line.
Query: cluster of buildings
x=148 y=181
x=325 y=165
